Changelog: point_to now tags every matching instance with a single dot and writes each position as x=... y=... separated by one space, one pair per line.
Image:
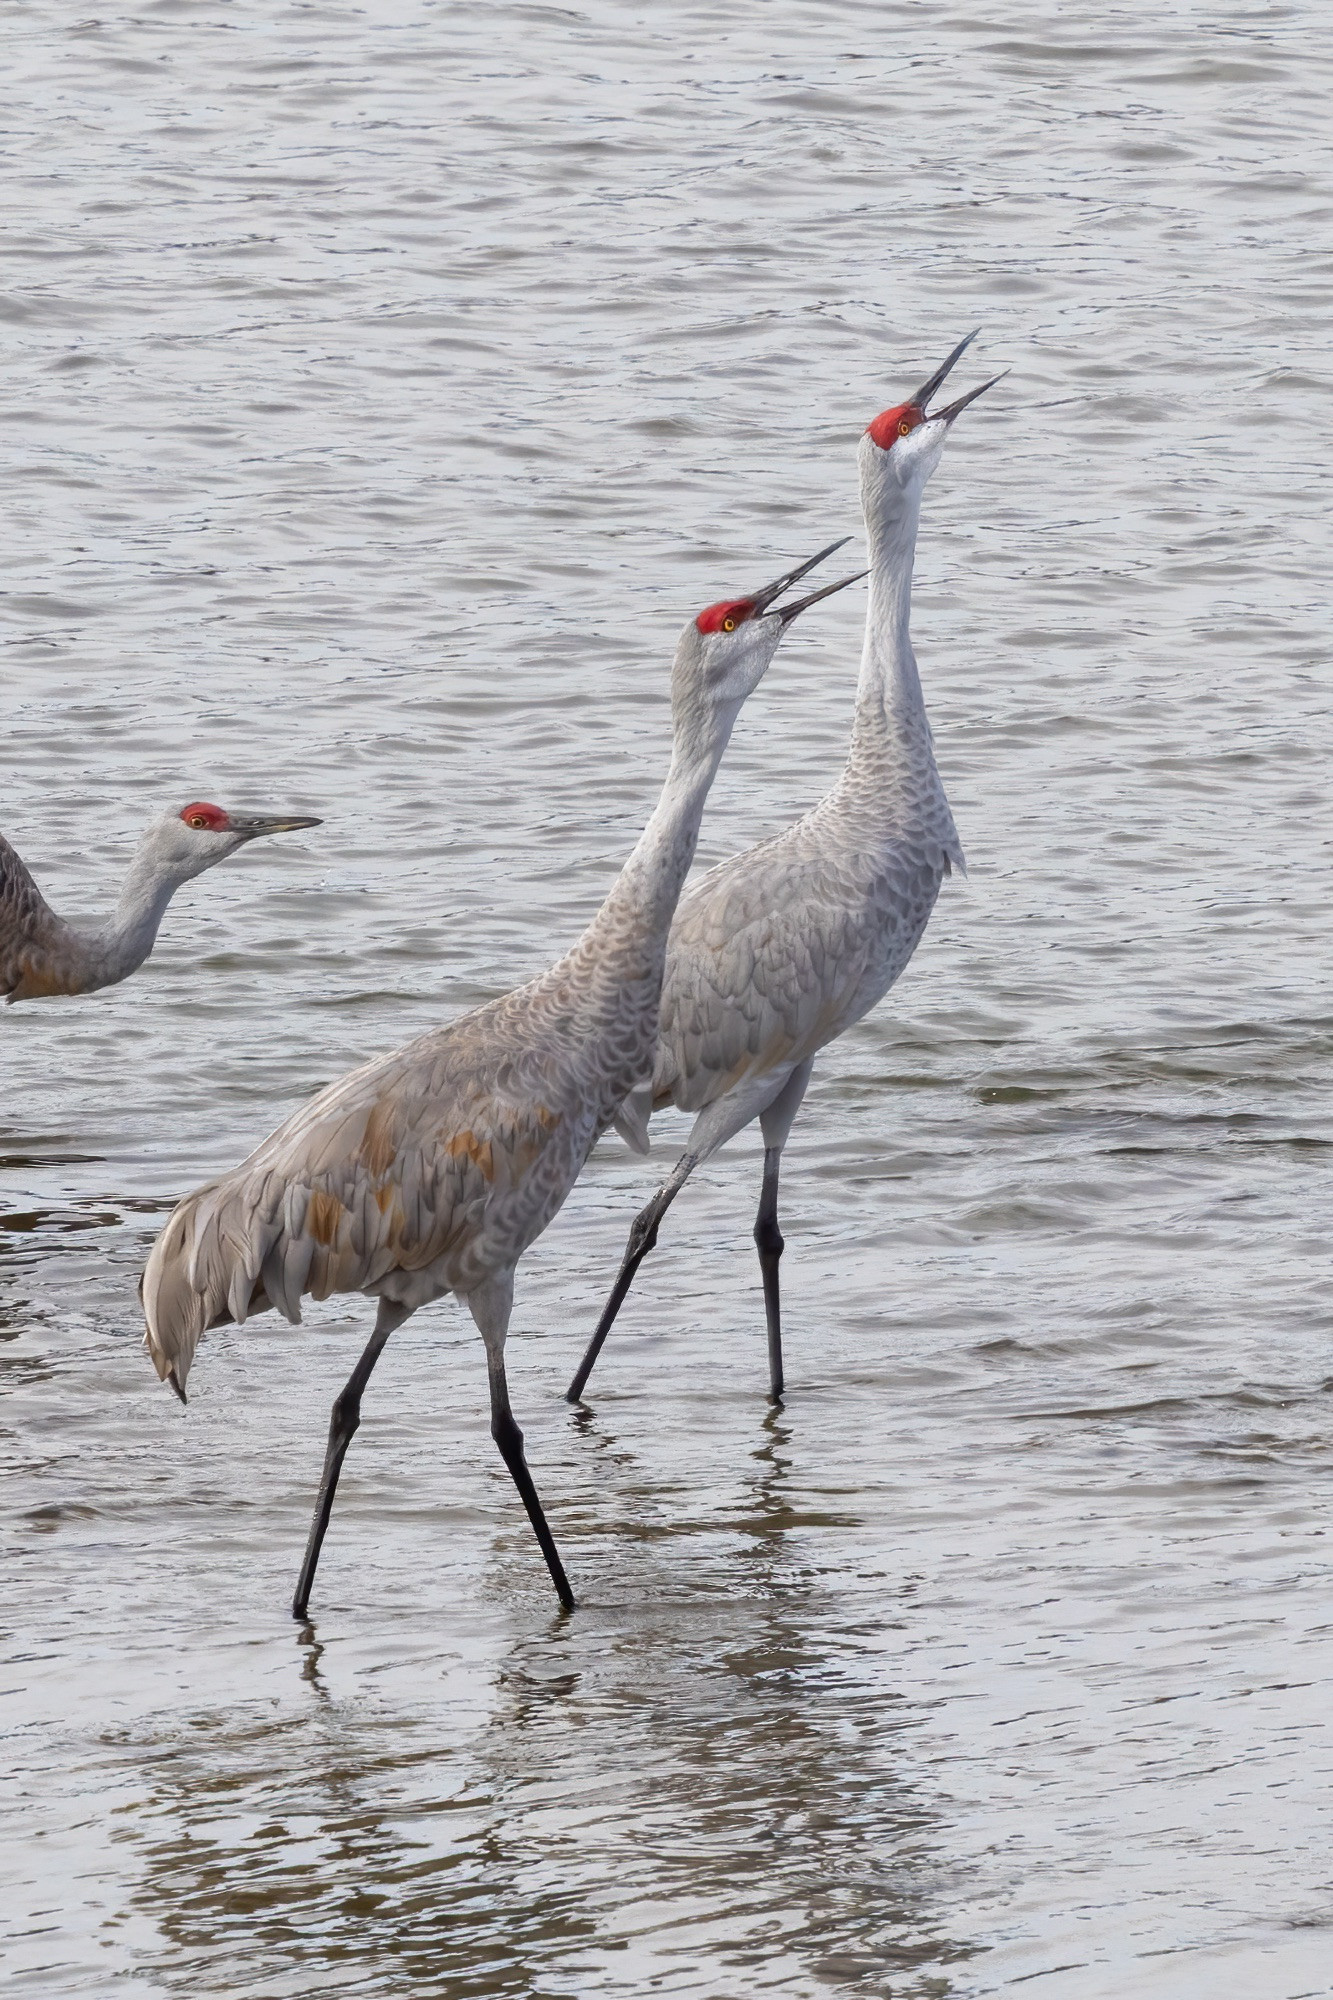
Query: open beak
x=928 y=389
x=790 y=611
x=951 y=410
x=251 y=826
x=761 y=599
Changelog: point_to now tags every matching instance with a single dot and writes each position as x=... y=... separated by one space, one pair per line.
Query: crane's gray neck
x=627 y=938
x=890 y=707
x=890 y=785
x=122 y=945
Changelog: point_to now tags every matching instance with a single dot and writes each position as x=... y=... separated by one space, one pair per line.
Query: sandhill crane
x=776 y=952
x=431 y=1169
x=41 y=954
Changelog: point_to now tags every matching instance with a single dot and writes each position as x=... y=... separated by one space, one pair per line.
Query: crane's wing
x=425 y=1169
x=39 y=953
x=771 y=959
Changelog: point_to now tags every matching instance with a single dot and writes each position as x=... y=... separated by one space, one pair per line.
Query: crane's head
x=902 y=447
x=197 y=837
x=724 y=652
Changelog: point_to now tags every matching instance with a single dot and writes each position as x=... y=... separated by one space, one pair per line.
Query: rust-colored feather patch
x=39 y=981
x=323 y=1216
x=468 y=1146
x=377 y=1147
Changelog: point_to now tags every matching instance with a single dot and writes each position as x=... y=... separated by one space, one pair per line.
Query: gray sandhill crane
x=778 y=951
x=431 y=1169
x=41 y=954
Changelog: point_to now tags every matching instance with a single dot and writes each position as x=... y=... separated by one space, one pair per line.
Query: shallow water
x=384 y=388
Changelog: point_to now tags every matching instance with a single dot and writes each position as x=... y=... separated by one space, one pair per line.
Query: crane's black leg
x=642 y=1238
x=343 y=1426
x=775 y=1122
x=505 y=1431
x=768 y=1242
x=490 y=1305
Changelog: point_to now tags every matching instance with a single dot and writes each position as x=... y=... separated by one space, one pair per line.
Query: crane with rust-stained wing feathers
x=431 y=1169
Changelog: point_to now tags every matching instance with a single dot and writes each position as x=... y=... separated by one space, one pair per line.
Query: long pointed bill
x=952 y=410
x=927 y=389
x=253 y=825
x=790 y=611
x=761 y=599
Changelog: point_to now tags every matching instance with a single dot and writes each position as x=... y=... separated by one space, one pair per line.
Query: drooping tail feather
x=201 y=1272
x=175 y=1314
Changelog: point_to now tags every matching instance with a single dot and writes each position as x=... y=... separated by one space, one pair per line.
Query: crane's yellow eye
x=199 y=821
x=904 y=428
x=728 y=624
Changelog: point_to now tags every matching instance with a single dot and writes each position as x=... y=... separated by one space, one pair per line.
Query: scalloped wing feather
x=631 y=1121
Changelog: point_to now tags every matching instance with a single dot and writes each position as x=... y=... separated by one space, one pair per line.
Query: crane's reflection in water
x=706 y=1790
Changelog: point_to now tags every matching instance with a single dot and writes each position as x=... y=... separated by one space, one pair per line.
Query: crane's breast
x=769 y=968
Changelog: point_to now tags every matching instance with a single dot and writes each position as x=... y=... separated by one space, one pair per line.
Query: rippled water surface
x=384 y=386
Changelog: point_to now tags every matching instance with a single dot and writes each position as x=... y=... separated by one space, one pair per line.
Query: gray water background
x=383 y=387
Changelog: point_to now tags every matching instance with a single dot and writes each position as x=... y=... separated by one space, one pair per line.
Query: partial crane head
x=183 y=844
x=902 y=447
x=724 y=653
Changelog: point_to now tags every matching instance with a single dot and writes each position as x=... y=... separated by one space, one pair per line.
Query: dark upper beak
x=761 y=599
x=251 y=825
x=790 y=611
x=928 y=389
